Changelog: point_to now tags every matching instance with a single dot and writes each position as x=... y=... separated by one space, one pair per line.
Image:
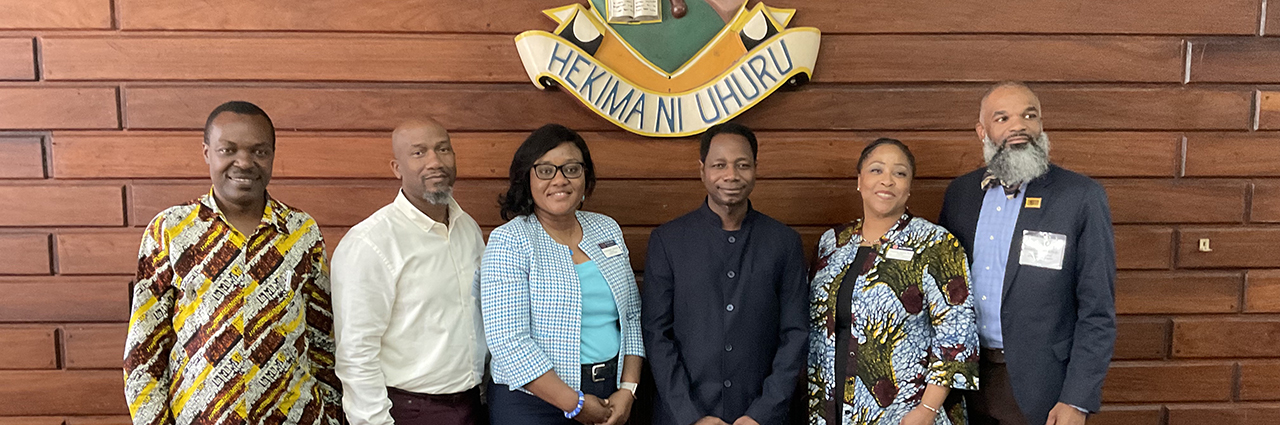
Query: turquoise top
x=601 y=336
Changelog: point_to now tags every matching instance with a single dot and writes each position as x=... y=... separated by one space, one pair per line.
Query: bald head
x=424 y=160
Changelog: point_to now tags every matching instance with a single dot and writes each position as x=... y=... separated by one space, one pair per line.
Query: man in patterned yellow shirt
x=231 y=319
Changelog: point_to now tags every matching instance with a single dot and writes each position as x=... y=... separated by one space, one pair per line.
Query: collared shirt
x=229 y=329
x=996 y=222
x=406 y=308
x=532 y=300
x=725 y=317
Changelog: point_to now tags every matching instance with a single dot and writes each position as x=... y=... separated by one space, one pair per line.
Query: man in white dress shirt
x=410 y=346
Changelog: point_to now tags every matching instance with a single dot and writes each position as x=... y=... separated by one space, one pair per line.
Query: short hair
x=518 y=200
x=871 y=147
x=1000 y=85
x=727 y=128
x=240 y=107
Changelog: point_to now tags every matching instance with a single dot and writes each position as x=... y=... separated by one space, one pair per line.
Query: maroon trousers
x=993 y=403
x=409 y=408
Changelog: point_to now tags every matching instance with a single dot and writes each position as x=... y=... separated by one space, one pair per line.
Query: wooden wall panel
x=1233 y=154
x=113 y=251
x=55 y=14
x=21 y=157
x=1231 y=414
x=1235 y=60
x=1258 y=380
x=1166 y=201
x=98 y=420
x=94 y=346
x=45 y=108
x=31 y=420
x=1232 y=247
x=1167 y=292
x=1139 y=247
x=17 y=59
x=1266 y=202
x=1262 y=291
x=1268 y=110
x=62 y=205
x=90 y=392
x=832 y=16
x=1141 y=338
x=1150 y=381
x=58 y=299
x=427 y=58
x=1127 y=415
x=27 y=347
x=880 y=58
x=1243 y=337
x=25 y=253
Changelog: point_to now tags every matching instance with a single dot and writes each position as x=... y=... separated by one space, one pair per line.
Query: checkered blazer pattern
x=531 y=299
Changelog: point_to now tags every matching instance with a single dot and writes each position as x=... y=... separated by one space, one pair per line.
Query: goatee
x=1017 y=164
x=438 y=197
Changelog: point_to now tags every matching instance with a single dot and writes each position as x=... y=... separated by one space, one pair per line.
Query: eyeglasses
x=571 y=170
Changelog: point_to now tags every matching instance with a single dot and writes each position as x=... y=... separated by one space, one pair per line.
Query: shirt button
x=732 y=239
x=728 y=307
x=728 y=347
x=999 y=208
x=984 y=326
x=992 y=237
x=988 y=267
x=727 y=384
x=732 y=274
x=984 y=297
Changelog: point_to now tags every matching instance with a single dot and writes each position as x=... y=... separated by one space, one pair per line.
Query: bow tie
x=990 y=180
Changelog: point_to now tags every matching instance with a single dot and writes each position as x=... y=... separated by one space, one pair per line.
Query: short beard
x=1019 y=165
x=438 y=197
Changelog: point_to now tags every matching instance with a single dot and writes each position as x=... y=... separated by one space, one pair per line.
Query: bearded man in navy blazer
x=1043 y=258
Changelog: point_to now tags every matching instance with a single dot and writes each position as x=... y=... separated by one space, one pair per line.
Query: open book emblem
x=669 y=71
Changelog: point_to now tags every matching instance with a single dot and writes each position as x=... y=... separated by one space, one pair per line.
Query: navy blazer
x=1059 y=326
x=725 y=318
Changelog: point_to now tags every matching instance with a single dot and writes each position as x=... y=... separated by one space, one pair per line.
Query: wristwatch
x=629 y=386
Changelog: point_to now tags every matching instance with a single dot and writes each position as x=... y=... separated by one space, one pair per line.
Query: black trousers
x=507 y=407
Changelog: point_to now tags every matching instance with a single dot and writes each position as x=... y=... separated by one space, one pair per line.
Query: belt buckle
x=595 y=372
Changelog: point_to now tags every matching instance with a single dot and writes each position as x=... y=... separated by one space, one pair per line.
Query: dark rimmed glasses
x=571 y=170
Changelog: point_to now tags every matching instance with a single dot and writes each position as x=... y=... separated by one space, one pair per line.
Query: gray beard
x=440 y=197
x=1017 y=166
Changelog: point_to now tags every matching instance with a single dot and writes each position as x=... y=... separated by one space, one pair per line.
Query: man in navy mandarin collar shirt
x=725 y=309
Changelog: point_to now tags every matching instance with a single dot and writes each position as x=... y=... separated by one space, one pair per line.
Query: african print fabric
x=227 y=329
x=913 y=324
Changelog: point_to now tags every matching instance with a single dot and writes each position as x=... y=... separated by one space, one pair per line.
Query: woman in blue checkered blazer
x=559 y=298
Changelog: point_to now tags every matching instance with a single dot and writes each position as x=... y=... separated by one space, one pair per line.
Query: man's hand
x=620 y=401
x=745 y=420
x=1065 y=414
x=710 y=420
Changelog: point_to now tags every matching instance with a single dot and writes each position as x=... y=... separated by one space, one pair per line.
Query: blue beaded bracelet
x=581 y=399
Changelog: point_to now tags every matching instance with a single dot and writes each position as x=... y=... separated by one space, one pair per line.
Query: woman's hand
x=620 y=401
x=594 y=410
x=919 y=416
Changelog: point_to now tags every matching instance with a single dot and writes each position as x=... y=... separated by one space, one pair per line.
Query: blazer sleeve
x=657 y=316
x=505 y=306
x=1095 y=328
x=789 y=360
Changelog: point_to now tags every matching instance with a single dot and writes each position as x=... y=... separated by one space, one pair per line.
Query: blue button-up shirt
x=996 y=222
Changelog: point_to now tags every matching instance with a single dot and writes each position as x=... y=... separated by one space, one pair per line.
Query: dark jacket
x=725 y=318
x=1059 y=326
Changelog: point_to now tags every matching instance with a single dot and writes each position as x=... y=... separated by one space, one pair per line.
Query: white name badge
x=610 y=249
x=899 y=254
x=1042 y=249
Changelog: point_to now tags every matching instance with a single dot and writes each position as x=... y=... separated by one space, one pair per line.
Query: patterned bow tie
x=990 y=180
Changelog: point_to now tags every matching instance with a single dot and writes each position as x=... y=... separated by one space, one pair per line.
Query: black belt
x=599 y=372
x=992 y=355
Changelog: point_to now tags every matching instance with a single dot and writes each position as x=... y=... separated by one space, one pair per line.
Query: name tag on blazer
x=899 y=254
x=610 y=249
x=1042 y=249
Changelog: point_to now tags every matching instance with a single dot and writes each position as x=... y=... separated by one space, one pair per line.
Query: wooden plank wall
x=1173 y=104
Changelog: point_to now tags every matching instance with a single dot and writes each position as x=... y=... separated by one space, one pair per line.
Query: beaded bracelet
x=581 y=399
x=935 y=411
